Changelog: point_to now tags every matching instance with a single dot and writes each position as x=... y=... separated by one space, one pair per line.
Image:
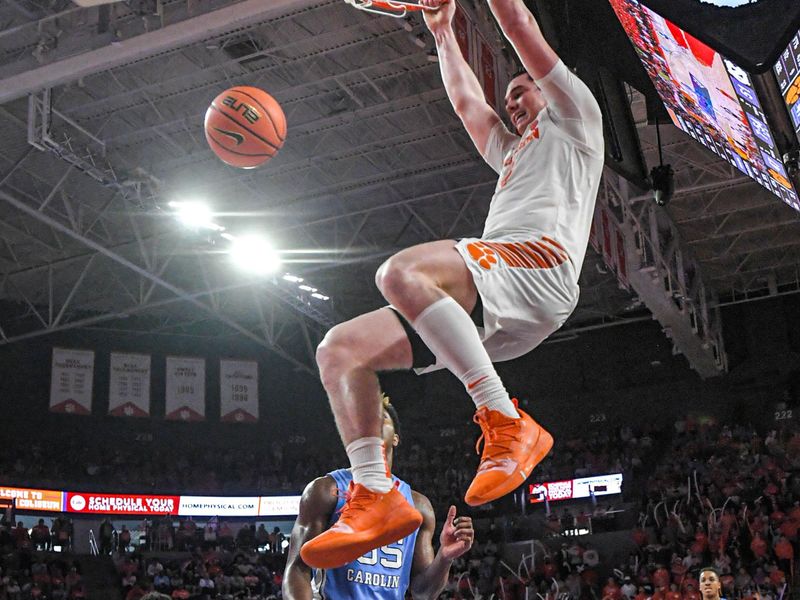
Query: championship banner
x=122 y=504
x=129 y=385
x=488 y=73
x=186 y=388
x=461 y=27
x=30 y=499
x=238 y=390
x=71 y=381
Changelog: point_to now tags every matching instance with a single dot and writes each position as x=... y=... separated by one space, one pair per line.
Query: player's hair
x=521 y=71
x=712 y=569
x=387 y=406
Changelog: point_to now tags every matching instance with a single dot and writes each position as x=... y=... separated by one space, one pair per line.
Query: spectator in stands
x=124 y=539
x=209 y=535
x=276 y=539
x=21 y=537
x=40 y=536
x=262 y=536
x=106 y=534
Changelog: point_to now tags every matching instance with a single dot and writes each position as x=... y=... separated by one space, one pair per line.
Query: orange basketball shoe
x=512 y=448
x=367 y=521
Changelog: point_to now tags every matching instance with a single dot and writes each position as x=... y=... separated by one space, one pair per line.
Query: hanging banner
x=186 y=388
x=71 y=381
x=461 y=27
x=129 y=385
x=238 y=390
x=488 y=73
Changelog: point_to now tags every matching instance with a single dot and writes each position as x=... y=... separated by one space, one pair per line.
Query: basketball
x=245 y=126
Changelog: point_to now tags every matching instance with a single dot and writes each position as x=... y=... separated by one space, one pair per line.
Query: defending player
x=518 y=283
x=385 y=572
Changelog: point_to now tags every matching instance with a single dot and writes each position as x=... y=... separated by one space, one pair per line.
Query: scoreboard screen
x=752 y=33
x=787 y=71
x=707 y=96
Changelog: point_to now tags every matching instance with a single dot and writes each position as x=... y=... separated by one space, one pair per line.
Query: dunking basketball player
x=519 y=280
x=384 y=573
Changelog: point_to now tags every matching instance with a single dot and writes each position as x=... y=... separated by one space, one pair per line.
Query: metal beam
x=184 y=33
x=184 y=295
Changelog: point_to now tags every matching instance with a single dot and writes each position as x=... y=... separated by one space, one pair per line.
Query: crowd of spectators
x=189 y=535
x=719 y=496
x=444 y=467
x=163 y=467
x=24 y=576
x=40 y=537
x=421 y=460
x=707 y=494
x=212 y=572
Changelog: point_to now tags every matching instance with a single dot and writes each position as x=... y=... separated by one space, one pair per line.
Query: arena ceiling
x=375 y=161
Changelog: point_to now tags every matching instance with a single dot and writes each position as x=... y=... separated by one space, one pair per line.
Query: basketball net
x=390 y=8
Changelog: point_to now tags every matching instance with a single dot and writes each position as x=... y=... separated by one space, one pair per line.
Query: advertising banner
x=122 y=504
x=71 y=381
x=31 y=499
x=279 y=506
x=186 y=388
x=571 y=489
x=129 y=385
x=220 y=506
x=34 y=500
x=238 y=382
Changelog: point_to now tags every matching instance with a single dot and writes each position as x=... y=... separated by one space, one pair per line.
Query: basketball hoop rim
x=390 y=8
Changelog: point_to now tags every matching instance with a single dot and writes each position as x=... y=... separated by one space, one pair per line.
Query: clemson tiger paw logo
x=483 y=255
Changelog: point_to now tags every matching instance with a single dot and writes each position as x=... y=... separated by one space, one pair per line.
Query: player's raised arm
x=462 y=86
x=567 y=96
x=316 y=506
x=429 y=573
x=522 y=30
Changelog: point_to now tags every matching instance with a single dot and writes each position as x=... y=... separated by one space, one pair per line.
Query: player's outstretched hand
x=457 y=535
x=438 y=13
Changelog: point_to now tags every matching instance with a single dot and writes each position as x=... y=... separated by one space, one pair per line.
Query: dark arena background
x=160 y=406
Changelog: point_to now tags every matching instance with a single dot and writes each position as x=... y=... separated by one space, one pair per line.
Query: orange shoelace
x=497 y=437
x=354 y=503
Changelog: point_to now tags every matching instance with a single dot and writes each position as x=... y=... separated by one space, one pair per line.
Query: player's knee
x=334 y=354
x=396 y=278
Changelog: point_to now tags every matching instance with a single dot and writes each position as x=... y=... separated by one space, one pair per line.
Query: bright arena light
x=195 y=215
x=253 y=253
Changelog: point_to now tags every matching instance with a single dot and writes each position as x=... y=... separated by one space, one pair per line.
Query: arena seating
x=696 y=494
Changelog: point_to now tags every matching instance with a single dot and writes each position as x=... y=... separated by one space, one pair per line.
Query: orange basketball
x=245 y=126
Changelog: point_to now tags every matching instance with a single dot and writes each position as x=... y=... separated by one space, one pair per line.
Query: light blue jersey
x=382 y=574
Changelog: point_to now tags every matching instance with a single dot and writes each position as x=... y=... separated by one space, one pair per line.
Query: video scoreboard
x=713 y=99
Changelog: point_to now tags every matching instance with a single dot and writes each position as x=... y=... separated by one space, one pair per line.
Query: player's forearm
x=511 y=15
x=430 y=582
x=296 y=584
x=522 y=30
x=459 y=81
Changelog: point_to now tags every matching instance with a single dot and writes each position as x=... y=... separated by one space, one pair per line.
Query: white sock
x=448 y=331
x=368 y=464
